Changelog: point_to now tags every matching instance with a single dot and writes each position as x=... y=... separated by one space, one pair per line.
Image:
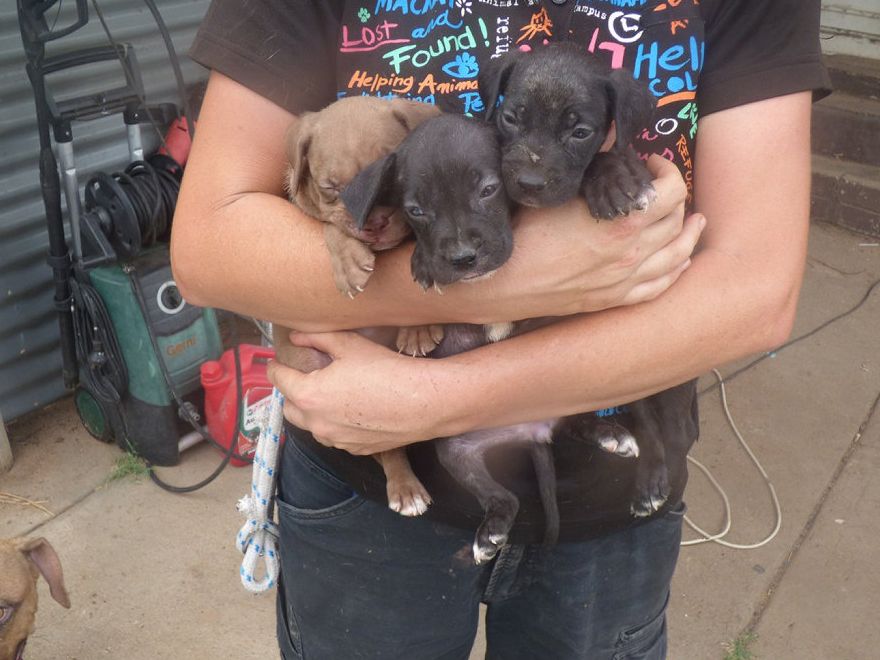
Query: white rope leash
x=258 y=537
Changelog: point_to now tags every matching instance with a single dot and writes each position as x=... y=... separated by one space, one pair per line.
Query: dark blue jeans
x=360 y=581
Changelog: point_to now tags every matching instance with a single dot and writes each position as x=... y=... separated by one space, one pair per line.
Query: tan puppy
x=21 y=561
x=326 y=150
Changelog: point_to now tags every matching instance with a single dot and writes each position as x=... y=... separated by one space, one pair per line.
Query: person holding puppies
x=640 y=311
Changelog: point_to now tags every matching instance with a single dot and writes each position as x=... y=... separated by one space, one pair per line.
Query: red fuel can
x=221 y=397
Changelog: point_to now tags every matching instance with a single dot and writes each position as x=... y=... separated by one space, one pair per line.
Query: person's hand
x=369 y=399
x=564 y=262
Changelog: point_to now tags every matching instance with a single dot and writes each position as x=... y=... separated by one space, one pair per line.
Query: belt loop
x=503 y=572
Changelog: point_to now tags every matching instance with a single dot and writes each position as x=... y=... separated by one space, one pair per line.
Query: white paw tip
x=415 y=508
x=645 y=199
x=609 y=444
x=480 y=556
x=628 y=447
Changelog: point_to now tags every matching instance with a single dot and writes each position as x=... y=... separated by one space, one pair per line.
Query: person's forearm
x=620 y=355
x=264 y=258
x=259 y=255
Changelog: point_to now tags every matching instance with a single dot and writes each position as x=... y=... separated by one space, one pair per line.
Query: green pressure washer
x=162 y=341
x=131 y=346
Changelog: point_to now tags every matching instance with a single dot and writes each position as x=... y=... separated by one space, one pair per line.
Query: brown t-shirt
x=696 y=58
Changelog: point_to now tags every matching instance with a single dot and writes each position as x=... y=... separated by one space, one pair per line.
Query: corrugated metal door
x=851 y=27
x=30 y=361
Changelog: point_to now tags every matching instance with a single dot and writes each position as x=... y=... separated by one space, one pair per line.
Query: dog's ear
x=412 y=113
x=493 y=77
x=632 y=106
x=370 y=184
x=43 y=556
x=298 y=139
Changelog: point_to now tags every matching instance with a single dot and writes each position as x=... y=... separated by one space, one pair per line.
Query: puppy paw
x=419 y=340
x=421 y=270
x=615 y=439
x=487 y=550
x=352 y=264
x=616 y=185
x=652 y=491
x=408 y=497
x=493 y=532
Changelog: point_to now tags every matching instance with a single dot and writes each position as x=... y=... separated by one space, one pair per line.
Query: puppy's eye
x=488 y=191
x=581 y=133
x=5 y=613
x=415 y=211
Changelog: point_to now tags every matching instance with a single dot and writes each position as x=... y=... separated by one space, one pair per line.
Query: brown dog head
x=327 y=149
x=21 y=561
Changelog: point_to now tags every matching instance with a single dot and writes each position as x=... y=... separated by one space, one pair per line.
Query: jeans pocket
x=676 y=513
x=308 y=490
x=644 y=642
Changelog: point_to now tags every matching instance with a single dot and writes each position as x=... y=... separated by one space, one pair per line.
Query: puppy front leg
x=352 y=260
x=617 y=183
x=406 y=494
x=419 y=340
x=299 y=357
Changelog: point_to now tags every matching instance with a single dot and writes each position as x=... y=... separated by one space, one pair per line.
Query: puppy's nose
x=531 y=183
x=463 y=256
x=377 y=222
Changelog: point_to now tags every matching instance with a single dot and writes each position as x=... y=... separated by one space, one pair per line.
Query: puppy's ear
x=632 y=106
x=298 y=140
x=493 y=77
x=412 y=113
x=43 y=556
x=371 y=183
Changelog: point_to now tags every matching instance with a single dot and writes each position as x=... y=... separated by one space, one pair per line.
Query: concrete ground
x=155 y=575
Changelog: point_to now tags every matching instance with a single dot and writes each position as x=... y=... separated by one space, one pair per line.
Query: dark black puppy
x=558 y=104
x=556 y=110
x=446 y=175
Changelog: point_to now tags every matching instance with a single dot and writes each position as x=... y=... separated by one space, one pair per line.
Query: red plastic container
x=177 y=141
x=221 y=397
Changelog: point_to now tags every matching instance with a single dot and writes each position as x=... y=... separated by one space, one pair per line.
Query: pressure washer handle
x=32 y=16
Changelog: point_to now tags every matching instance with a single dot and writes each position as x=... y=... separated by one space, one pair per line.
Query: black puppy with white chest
x=446 y=176
x=554 y=109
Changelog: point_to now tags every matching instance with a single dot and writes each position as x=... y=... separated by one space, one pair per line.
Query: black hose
x=139 y=202
x=102 y=364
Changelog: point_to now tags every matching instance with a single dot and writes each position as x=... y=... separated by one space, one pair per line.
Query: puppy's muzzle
x=531 y=182
x=463 y=256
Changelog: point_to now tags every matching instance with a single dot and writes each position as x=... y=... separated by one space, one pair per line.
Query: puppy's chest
x=497 y=331
x=461 y=337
